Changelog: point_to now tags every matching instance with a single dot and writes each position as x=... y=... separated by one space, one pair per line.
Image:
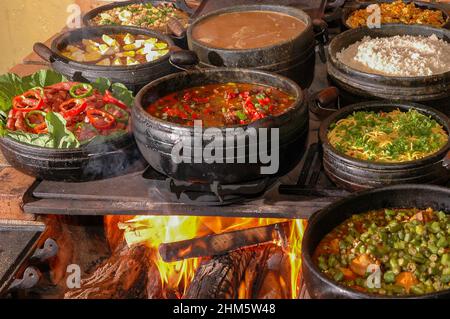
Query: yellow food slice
x=129 y=54
x=131 y=61
x=130 y=47
x=92 y=56
x=128 y=39
x=92 y=48
x=117 y=62
x=106 y=50
x=161 y=45
x=108 y=40
x=72 y=48
x=105 y=62
x=151 y=40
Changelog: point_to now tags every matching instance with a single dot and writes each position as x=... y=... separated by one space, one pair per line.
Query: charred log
x=220 y=277
x=125 y=275
x=219 y=244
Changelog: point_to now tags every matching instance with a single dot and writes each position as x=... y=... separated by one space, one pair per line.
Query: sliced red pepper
x=108 y=98
x=34 y=118
x=31 y=100
x=72 y=107
x=99 y=119
x=264 y=101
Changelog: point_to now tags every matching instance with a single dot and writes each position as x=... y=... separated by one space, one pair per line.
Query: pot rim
x=321 y=214
x=138 y=107
x=375 y=105
x=88 y=16
x=428 y=5
x=293 y=12
x=373 y=76
x=115 y=29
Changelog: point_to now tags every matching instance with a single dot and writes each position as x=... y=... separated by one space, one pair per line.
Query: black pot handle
x=325 y=102
x=335 y=4
x=446 y=161
x=181 y=4
x=184 y=60
x=44 y=52
x=320 y=28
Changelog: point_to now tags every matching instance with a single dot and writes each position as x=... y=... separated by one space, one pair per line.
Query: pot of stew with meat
x=221 y=125
x=390 y=242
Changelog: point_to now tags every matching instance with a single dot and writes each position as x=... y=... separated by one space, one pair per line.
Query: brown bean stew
x=247 y=29
x=410 y=247
x=219 y=105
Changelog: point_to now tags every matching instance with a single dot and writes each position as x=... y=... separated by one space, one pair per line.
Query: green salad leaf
x=101 y=84
x=122 y=93
x=58 y=135
x=56 y=125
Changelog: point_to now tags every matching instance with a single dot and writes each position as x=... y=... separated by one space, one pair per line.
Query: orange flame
x=176 y=276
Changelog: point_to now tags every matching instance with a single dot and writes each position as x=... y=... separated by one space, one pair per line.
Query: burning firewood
x=220 y=277
x=124 y=275
x=219 y=244
x=274 y=280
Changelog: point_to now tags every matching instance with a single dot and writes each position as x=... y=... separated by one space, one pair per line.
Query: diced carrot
x=359 y=264
x=348 y=274
x=406 y=279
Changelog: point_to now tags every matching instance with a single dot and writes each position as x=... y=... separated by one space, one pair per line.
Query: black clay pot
x=423 y=5
x=294 y=59
x=90 y=162
x=134 y=77
x=180 y=40
x=156 y=138
x=353 y=174
x=324 y=221
x=356 y=86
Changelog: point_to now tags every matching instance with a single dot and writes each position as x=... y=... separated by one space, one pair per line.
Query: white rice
x=405 y=55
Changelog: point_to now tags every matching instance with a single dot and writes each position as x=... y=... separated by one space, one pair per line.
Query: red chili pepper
x=72 y=107
x=99 y=119
x=264 y=101
x=31 y=100
x=109 y=99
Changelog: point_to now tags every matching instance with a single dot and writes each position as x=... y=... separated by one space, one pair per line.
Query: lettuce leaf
x=58 y=135
x=56 y=125
x=121 y=92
